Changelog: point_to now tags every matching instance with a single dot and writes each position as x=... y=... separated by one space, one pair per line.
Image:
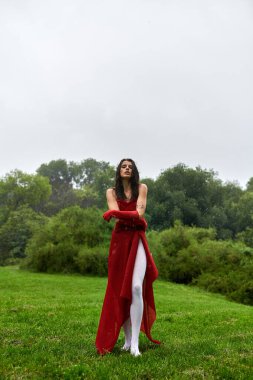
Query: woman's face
x=126 y=169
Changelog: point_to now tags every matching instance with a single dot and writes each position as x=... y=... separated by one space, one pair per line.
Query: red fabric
x=118 y=296
x=120 y=215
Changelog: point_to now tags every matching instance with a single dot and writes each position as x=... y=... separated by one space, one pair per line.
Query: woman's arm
x=142 y=200
x=111 y=200
x=114 y=211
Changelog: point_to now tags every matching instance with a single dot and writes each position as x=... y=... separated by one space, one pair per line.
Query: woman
x=129 y=299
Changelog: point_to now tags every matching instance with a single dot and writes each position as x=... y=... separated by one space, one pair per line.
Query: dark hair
x=134 y=181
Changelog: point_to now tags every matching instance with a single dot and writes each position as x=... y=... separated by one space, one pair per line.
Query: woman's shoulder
x=111 y=192
x=143 y=187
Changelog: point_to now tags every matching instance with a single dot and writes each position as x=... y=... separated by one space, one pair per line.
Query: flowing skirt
x=118 y=296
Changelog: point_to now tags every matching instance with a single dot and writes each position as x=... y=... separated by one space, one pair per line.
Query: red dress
x=118 y=296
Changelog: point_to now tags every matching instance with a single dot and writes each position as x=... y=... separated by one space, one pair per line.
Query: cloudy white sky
x=161 y=81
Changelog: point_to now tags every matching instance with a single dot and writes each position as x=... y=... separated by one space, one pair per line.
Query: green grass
x=48 y=325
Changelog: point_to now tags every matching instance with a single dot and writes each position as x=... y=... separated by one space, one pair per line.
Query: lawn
x=48 y=325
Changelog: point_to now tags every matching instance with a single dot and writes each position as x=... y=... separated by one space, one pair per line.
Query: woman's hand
x=108 y=215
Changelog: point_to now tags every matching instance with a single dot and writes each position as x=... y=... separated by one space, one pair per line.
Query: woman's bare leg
x=136 y=309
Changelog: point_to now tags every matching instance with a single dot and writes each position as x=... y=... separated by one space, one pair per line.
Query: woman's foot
x=126 y=347
x=135 y=351
x=128 y=335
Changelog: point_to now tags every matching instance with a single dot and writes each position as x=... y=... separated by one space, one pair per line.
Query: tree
x=244 y=211
x=103 y=180
x=74 y=183
x=87 y=172
x=185 y=194
x=58 y=173
x=231 y=193
x=93 y=178
x=16 y=232
x=18 y=188
x=60 y=178
x=249 y=186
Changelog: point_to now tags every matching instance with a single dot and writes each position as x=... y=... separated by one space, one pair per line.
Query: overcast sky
x=161 y=81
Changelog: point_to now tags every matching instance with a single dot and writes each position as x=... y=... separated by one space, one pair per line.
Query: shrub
x=16 y=232
x=186 y=265
x=246 y=236
x=192 y=256
x=154 y=243
x=53 y=258
x=92 y=261
x=54 y=247
x=180 y=237
x=244 y=294
x=180 y=256
x=221 y=282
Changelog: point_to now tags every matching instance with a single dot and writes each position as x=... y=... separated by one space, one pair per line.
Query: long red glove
x=120 y=215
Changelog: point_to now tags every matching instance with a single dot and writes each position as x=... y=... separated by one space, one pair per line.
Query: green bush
x=154 y=243
x=179 y=237
x=92 y=261
x=55 y=246
x=216 y=283
x=246 y=236
x=225 y=282
x=16 y=232
x=192 y=256
x=186 y=265
x=53 y=258
x=180 y=252
x=244 y=294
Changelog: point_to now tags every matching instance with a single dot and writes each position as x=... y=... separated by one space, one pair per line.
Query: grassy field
x=48 y=325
